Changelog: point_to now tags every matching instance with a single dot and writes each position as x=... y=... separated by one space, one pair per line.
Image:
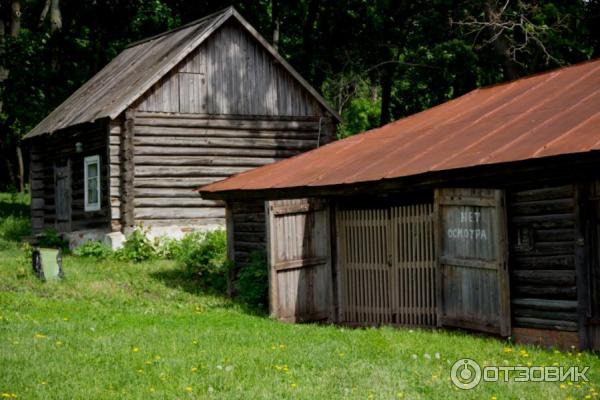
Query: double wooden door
x=386 y=266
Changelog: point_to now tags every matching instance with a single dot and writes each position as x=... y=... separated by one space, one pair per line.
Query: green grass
x=147 y=331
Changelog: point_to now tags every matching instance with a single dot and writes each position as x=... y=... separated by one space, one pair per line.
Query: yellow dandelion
x=194 y=341
x=273 y=347
x=65 y=318
x=399 y=395
x=493 y=398
x=508 y=350
x=188 y=389
x=140 y=371
x=148 y=362
x=135 y=349
x=40 y=336
x=294 y=386
x=194 y=369
x=563 y=386
x=282 y=346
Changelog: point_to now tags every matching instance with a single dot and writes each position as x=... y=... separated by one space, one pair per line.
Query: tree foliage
x=374 y=60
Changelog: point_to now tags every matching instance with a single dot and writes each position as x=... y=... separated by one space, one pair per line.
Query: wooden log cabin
x=482 y=213
x=171 y=112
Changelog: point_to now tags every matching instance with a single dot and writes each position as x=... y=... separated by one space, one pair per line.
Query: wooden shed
x=168 y=114
x=481 y=213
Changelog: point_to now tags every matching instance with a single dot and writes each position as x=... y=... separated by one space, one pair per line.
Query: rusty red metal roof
x=544 y=115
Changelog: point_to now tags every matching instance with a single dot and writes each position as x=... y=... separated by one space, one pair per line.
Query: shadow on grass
x=182 y=279
x=8 y=208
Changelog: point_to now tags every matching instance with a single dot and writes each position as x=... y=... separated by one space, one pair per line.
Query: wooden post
x=581 y=263
x=128 y=171
x=230 y=228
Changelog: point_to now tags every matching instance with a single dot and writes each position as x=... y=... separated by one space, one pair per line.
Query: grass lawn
x=146 y=331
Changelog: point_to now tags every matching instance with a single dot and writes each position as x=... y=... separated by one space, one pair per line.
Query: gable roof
x=137 y=68
x=545 y=115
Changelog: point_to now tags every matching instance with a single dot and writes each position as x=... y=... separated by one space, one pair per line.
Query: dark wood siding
x=542 y=238
x=248 y=225
x=58 y=148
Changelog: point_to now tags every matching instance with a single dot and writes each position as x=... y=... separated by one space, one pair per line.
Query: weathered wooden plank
x=548 y=193
x=545 y=324
x=184 y=171
x=176 y=202
x=184 y=222
x=141 y=140
x=175 y=183
x=539 y=277
x=178 y=213
x=224 y=133
x=543 y=304
x=543 y=207
x=205 y=161
x=213 y=151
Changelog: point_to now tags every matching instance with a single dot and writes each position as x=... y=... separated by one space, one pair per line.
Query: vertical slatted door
x=414 y=264
x=299 y=254
x=364 y=266
x=472 y=278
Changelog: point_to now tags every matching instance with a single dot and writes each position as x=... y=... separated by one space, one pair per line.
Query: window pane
x=92 y=170
x=92 y=191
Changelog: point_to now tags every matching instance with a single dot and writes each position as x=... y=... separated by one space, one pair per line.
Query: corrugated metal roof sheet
x=141 y=65
x=544 y=115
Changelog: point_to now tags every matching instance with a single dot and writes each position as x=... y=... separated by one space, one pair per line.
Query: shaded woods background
x=374 y=60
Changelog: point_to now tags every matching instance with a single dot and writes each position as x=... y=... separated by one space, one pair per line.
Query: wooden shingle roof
x=137 y=68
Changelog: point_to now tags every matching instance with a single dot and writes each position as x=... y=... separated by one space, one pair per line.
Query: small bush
x=252 y=282
x=15 y=228
x=205 y=254
x=137 y=248
x=50 y=238
x=94 y=249
x=168 y=248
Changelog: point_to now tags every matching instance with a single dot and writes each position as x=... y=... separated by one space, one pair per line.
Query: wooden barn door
x=299 y=258
x=473 y=288
x=62 y=196
x=386 y=265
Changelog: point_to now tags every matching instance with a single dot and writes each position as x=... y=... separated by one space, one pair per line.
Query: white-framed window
x=91 y=181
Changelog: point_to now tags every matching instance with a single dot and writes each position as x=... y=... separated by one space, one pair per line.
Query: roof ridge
x=187 y=25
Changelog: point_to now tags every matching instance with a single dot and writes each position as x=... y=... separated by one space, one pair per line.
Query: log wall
x=60 y=147
x=542 y=237
x=231 y=73
x=176 y=153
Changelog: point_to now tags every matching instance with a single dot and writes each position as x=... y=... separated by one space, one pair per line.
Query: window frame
x=87 y=161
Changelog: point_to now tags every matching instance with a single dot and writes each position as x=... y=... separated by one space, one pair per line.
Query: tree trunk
x=55 y=16
x=21 y=169
x=275 y=22
x=501 y=46
x=15 y=18
x=386 y=96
